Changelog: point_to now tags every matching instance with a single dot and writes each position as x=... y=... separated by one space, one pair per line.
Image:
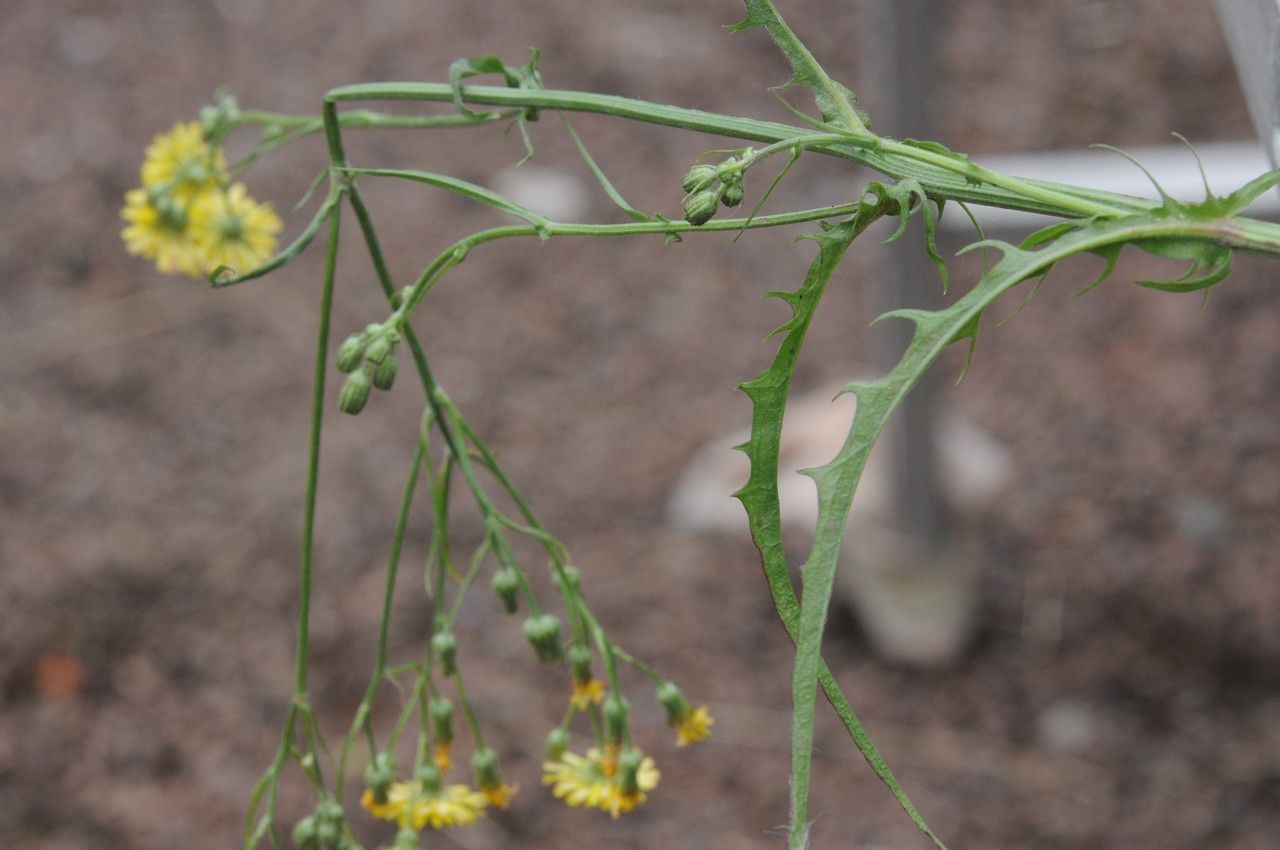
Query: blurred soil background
x=1123 y=692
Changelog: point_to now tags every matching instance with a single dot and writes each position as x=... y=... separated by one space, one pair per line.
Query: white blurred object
x=549 y=192
x=916 y=607
x=1252 y=28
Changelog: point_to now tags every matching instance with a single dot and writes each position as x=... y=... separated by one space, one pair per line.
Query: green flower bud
x=329 y=809
x=569 y=580
x=355 y=392
x=697 y=177
x=543 y=632
x=557 y=743
x=384 y=374
x=327 y=832
x=699 y=208
x=506 y=583
x=629 y=770
x=445 y=645
x=615 y=718
x=351 y=353
x=732 y=194
x=304 y=833
x=441 y=709
x=407 y=839
x=380 y=347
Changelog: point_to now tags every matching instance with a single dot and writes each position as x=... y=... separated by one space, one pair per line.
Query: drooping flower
x=440 y=807
x=691 y=724
x=234 y=230
x=694 y=727
x=499 y=795
x=160 y=229
x=181 y=161
x=442 y=755
x=484 y=761
x=588 y=693
x=597 y=781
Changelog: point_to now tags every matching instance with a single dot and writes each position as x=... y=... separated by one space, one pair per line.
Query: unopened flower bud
x=441 y=709
x=569 y=579
x=351 y=353
x=384 y=374
x=445 y=645
x=615 y=718
x=506 y=583
x=557 y=743
x=355 y=392
x=407 y=839
x=700 y=207
x=327 y=832
x=697 y=177
x=380 y=347
x=732 y=194
x=304 y=833
x=543 y=632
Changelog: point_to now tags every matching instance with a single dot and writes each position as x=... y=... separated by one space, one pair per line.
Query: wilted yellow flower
x=499 y=795
x=588 y=693
x=449 y=805
x=594 y=781
x=181 y=161
x=442 y=755
x=694 y=726
x=234 y=230
x=160 y=230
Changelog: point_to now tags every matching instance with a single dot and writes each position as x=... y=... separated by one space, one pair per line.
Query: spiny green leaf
x=837 y=480
x=1045 y=235
x=475 y=66
x=1210 y=263
x=1110 y=255
x=909 y=195
x=836 y=103
x=768 y=393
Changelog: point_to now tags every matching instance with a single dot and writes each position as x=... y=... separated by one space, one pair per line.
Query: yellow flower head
x=499 y=795
x=594 y=781
x=234 y=230
x=585 y=694
x=160 y=230
x=182 y=161
x=416 y=807
x=694 y=726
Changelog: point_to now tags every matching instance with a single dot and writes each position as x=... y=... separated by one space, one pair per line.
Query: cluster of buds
x=708 y=186
x=368 y=360
x=324 y=829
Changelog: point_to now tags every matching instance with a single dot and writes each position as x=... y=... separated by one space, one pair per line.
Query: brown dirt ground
x=1125 y=689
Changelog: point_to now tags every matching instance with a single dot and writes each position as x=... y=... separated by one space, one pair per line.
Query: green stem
x=942 y=176
x=361 y=719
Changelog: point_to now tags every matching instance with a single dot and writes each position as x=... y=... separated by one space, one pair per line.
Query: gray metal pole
x=902 y=74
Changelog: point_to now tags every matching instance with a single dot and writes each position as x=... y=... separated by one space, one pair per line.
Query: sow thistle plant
x=192 y=217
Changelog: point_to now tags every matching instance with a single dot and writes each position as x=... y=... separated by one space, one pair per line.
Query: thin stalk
x=361 y=719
